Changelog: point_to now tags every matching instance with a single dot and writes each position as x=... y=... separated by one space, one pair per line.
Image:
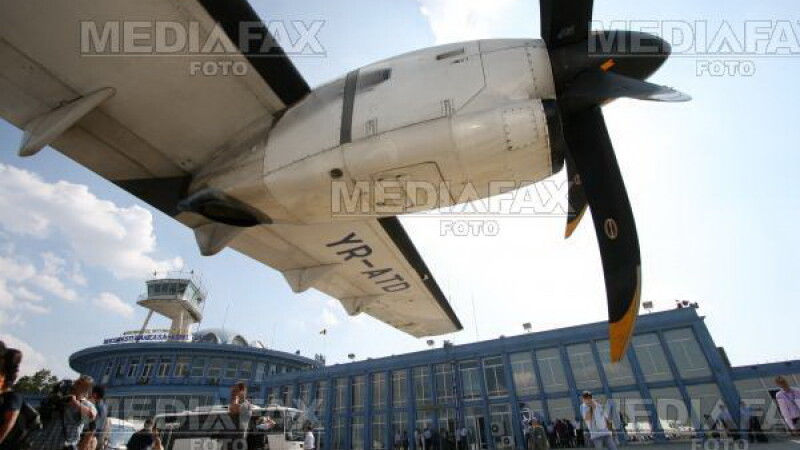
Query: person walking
x=405 y=439
x=309 y=442
x=745 y=422
x=538 y=436
x=398 y=442
x=788 y=399
x=596 y=420
x=427 y=436
x=10 y=401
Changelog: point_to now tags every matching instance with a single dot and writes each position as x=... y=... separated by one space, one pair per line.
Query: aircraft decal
x=386 y=278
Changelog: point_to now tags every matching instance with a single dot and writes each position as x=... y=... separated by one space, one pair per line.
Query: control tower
x=178 y=296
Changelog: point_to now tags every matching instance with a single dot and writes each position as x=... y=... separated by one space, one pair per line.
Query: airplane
x=249 y=160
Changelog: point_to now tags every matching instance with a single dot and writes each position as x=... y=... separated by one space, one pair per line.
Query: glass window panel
x=501 y=424
x=584 y=369
x=424 y=420
x=121 y=368
x=560 y=408
x=149 y=363
x=340 y=395
x=358 y=392
x=378 y=390
x=551 y=370
x=198 y=367
x=494 y=376
x=471 y=386
x=164 y=366
x=524 y=374
x=305 y=395
x=400 y=426
x=321 y=396
x=260 y=367
x=287 y=394
x=231 y=367
x=688 y=356
x=378 y=431
x=182 y=366
x=337 y=435
x=133 y=366
x=399 y=390
x=531 y=408
x=357 y=433
x=651 y=358
x=447 y=429
x=444 y=382
x=617 y=374
x=706 y=403
x=245 y=370
x=422 y=386
x=215 y=368
x=673 y=414
x=635 y=414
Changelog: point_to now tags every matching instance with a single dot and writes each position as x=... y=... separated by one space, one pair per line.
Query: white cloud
x=462 y=20
x=114 y=304
x=24 y=293
x=99 y=232
x=24 y=287
x=32 y=360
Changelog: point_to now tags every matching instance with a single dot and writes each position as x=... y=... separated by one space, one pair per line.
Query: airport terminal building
x=671 y=384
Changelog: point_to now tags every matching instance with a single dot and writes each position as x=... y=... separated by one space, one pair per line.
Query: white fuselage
x=456 y=118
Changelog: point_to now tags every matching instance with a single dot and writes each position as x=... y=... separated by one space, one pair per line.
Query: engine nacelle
x=415 y=132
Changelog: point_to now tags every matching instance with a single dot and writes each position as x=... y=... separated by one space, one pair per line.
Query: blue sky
x=712 y=183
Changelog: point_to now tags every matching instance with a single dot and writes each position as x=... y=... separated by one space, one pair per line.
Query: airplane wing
x=158 y=115
x=84 y=76
x=371 y=266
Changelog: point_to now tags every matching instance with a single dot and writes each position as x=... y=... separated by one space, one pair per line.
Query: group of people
x=561 y=433
x=73 y=419
x=431 y=439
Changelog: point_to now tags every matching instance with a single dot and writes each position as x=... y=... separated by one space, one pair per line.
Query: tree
x=39 y=383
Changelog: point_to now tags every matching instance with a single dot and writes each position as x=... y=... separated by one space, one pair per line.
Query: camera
x=54 y=404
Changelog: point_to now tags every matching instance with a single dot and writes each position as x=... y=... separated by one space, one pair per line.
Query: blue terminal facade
x=142 y=376
x=672 y=380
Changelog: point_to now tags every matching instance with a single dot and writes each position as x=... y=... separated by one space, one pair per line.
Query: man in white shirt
x=788 y=399
x=309 y=442
x=596 y=420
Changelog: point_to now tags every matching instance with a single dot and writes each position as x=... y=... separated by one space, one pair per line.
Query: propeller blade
x=575 y=196
x=599 y=86
x=595 y=162
x=565 y=22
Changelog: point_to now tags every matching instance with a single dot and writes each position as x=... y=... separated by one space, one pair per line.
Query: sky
x=712 y=183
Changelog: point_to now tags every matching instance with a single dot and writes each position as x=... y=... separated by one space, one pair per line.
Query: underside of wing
x=164 y=110
x=370 y=266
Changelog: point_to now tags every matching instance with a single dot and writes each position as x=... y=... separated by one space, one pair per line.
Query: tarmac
x=775 y=444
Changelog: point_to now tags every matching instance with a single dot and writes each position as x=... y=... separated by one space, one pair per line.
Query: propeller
x=591 y=69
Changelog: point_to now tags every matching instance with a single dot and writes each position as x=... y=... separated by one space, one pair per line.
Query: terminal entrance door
x=475 y=422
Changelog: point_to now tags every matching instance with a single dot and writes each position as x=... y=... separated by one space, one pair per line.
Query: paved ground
x=781 y=444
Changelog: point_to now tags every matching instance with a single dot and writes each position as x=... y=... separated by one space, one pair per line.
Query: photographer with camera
x=64 y=413
x=10 y=401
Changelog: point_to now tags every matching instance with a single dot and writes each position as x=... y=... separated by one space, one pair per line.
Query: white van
x=214 y=428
